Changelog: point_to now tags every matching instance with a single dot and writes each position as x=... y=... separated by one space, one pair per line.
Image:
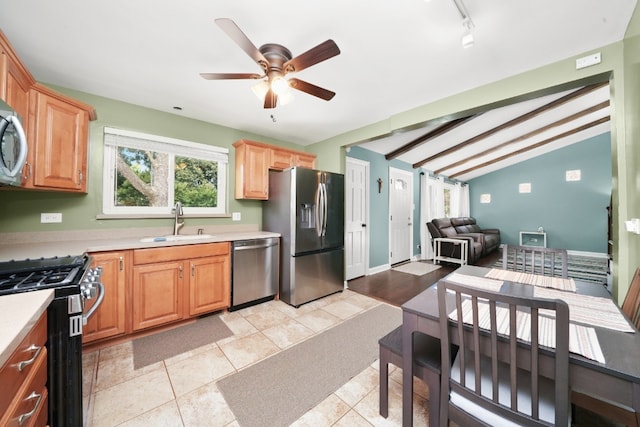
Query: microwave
x=13 y=146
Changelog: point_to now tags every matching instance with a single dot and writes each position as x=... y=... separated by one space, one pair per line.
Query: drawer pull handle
x=24 y=417
x=26 y=363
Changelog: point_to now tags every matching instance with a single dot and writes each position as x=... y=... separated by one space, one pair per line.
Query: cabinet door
x=282 y=159
x=252 y=172
x=14 y=86
x=209 y=287
x=157 y=294
x=58 y=144
x=109 y=319
x=306 y=160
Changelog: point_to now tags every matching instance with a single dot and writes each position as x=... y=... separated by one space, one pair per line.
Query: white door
x=400 y=215
x=356 y=205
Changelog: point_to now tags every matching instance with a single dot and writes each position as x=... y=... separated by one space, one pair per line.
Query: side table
x=437 y=250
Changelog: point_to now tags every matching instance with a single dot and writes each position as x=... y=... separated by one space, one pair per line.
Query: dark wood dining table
x=617 y=380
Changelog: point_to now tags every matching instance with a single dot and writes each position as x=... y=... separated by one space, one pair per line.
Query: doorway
x=356 y=241
x=400 y=215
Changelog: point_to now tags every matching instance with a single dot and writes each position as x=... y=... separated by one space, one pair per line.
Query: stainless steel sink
x=176 y=238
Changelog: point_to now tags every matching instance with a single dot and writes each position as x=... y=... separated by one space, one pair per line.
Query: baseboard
x=590 y=254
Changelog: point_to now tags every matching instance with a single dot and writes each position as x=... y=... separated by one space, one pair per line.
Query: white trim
x=163 y=139
x=378 y=269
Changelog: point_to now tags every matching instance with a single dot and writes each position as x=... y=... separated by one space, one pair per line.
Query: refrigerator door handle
x=325 y=209
x=317 y=210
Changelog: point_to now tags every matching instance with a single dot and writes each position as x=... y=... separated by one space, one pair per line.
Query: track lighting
x=467 y=24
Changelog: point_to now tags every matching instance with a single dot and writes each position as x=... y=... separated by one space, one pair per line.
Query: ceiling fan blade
x=317 y=54
x=311 y=89
x=236 y=34
x=229 y=76
x=270 y=99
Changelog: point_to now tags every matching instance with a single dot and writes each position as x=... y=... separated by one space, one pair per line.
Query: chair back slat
x=536 y=260
x=631 y=304
x=482 y=344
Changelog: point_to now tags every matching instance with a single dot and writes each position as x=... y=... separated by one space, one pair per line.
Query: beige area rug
x=416 y=268
x=280 y=389
x=163 y=345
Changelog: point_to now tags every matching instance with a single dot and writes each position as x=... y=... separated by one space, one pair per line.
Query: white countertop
x=36 y=245
x=19 y=314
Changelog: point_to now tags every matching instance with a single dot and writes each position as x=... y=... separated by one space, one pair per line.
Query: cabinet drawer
x=30 y=401
x=173 y=253
x=22 y=362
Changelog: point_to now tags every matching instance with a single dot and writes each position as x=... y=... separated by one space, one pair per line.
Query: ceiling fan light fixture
x=279 y=86
x=260 y=89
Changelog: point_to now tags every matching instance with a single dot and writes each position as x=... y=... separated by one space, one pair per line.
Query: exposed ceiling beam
x=533 y=146
x=513 y=122
x=440 y=130
x=531 y=134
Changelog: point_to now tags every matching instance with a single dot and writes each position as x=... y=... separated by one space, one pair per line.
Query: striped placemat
x=475 y=281
x=533 y=279
x=589 y=310
x=583 y=340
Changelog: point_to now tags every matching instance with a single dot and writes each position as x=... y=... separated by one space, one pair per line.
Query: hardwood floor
x=396 y=288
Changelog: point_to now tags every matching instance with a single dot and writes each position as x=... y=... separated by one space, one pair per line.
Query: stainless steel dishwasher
x=255 y=271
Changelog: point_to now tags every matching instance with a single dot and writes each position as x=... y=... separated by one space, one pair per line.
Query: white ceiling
x=395 y=54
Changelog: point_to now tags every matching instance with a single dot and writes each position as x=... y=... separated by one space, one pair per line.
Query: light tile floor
x=182 y=391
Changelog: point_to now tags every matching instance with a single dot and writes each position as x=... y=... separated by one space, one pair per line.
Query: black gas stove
x=42 y=273
x=74 y=281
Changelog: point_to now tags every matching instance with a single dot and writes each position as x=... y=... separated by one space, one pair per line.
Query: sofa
x=480 y=241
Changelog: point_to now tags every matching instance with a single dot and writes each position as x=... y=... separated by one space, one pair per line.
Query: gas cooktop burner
x=34 y=274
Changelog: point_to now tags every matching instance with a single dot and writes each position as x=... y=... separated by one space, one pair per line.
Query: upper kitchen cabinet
x=253 y=161
x=15 y=81
x=58 y=139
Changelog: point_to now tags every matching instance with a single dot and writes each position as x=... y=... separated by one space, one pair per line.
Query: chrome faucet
x=177 y=209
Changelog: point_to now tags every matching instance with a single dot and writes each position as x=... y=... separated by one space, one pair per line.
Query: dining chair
x=498 y=378
x=616 y=413
x=537 y=260
x=631 y=303
x=426 y=366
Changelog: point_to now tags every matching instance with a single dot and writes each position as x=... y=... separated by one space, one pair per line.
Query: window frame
x=172 y=147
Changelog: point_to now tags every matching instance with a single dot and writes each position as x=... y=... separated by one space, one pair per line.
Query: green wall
x=573 y=214
x=22 y=208
x=379 y=204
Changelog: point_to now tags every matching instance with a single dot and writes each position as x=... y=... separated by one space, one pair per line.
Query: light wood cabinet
x=15 y=81
x=23 y=378
x=253 y=161
x=252 y=170
x=175 y=283
x=56 y=127
x=57 y=158
x=109 y=319
x=209 y=284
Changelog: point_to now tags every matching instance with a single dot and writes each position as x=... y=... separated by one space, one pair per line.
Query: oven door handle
x=94 y=307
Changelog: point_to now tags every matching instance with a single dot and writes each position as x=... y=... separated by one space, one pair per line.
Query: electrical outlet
x=237 y=216
x=50 y=217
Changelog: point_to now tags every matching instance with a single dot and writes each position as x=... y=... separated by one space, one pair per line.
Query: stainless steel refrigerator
x=306 y=207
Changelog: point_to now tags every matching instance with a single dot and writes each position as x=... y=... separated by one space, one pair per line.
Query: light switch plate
x=236 y=216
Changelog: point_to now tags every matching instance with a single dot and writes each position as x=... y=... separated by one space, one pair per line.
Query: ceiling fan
x=276 y=61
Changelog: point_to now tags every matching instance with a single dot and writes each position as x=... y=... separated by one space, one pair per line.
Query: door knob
x=364 y=225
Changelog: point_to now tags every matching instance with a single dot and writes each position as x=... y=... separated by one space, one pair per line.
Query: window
x=447 y=200
x=148 y=174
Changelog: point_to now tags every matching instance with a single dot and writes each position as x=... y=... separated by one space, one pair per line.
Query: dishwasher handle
x=261 y=246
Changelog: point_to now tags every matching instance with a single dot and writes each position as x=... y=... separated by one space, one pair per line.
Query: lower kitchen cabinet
x=209 y=284
x=24 y=396
x=157 y=294
x=175 y=283
x=109 y=319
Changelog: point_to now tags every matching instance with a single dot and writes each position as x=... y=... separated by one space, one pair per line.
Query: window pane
x=141 y=178
x=196 y=182
x=447 y=202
